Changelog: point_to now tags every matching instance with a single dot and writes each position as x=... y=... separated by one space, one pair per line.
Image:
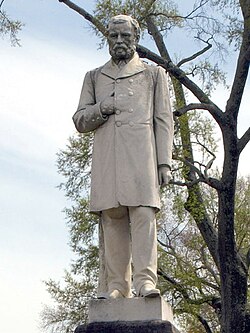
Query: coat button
x=118 y=123
x=130 y=80
x=131 y=110
x=131 y=93
x=117 y=112
x=131 y=124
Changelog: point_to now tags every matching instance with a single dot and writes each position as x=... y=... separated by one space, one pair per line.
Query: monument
x=126 y=103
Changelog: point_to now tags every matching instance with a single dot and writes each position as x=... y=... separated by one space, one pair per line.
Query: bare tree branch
x=206 y=299
x=1 y=3
x=243 y=141
x=210 y=162
x=185 y=17
x=204 y=322
x=209 y=267
x=212 y=108
x=165 y=61
x=86 y=15
x=152 y=30
x=213 y=182
x=202 y=3
x=242 y=68
x=195 y=55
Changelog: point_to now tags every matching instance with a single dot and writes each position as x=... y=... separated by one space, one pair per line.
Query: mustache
x=120 y=46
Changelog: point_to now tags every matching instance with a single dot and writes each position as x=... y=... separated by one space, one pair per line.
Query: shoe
x=148 y=291
x=114 y=294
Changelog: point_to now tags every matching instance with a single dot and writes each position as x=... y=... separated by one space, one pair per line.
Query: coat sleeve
x=163 y=119
x=88 y=116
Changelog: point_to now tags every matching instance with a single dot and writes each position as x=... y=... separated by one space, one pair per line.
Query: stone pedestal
x=134 y=315
x=129 y=309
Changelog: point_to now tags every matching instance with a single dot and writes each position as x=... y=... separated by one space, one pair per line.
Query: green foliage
x=234 y=31
x=74 y=163
x=9 y=27
x=80 y=283
x=209 y=75
x=204 y=146
x=139 y=9
x=71 y=304
x=83 y=239
x=242 y=215
x=188 y=276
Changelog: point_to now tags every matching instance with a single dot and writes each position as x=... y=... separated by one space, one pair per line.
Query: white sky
x=39 y=90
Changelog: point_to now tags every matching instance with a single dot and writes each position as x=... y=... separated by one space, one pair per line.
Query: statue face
x=122 y=41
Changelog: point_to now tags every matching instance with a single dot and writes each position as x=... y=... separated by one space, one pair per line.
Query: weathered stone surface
x=153 y=326
x=129 y=309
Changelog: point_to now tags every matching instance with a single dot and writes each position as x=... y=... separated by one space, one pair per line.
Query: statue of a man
x=126 y=103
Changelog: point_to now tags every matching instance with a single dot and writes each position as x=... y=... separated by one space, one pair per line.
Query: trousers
x=130 y=237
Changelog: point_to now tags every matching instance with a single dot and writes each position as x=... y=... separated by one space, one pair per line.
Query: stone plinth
x=128 y=327
x=129 y=309
x=129 y=315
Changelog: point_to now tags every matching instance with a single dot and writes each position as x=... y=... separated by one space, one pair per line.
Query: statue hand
x=107 y=105
x=164 y=174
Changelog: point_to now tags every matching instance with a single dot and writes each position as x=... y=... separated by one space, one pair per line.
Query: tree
x=188 y=277
x=188 y=274
x=9 y=27
x=157 y=18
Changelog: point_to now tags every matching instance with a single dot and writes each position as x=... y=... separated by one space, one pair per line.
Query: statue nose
x=119 y=39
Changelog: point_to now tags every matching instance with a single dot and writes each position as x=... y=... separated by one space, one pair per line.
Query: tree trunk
x=194 y=205
x=233 y=272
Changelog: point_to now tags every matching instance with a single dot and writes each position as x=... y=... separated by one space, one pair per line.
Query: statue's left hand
x=164 y=174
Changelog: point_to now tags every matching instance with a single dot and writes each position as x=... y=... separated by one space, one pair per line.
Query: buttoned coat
x=132 y=143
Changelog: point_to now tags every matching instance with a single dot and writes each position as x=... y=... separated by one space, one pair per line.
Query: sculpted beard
x=122 y=52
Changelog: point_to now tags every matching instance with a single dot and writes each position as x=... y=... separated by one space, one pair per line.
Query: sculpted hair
x=126 y=18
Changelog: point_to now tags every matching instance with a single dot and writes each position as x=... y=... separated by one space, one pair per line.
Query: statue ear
x=137 y=38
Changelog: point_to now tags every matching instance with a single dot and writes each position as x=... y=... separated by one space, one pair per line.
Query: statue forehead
x=125 y=20
x=118 y=19
x=120 y=26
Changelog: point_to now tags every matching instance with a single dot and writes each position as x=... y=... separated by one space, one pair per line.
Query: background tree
x=9 y=26
x=230 y=262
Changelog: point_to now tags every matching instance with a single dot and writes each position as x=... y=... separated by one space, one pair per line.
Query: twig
x=204 y=322
x=195 y=55
x=1 y=3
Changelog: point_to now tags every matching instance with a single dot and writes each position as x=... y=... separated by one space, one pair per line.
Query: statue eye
x=113 y=35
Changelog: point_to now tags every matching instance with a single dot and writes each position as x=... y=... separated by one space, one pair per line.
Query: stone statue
x=126 y=103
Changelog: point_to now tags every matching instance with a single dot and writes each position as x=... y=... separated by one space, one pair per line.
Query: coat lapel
x=134 y=66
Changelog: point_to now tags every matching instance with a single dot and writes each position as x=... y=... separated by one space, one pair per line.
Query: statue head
x=123 y=37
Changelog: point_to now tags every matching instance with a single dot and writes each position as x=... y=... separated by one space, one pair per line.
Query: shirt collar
x=134 y=66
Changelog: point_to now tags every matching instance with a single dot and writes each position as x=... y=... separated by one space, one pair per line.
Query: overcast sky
x=39 y=91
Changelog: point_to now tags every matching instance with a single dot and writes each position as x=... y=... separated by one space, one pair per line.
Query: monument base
x=151 y=326
x=129 y=309
x=129 y=315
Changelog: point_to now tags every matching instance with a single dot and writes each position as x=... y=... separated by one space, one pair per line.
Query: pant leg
x=144 y=246
x=117 y=243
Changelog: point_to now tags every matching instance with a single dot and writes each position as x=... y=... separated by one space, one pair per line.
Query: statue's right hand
x=107 y=105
